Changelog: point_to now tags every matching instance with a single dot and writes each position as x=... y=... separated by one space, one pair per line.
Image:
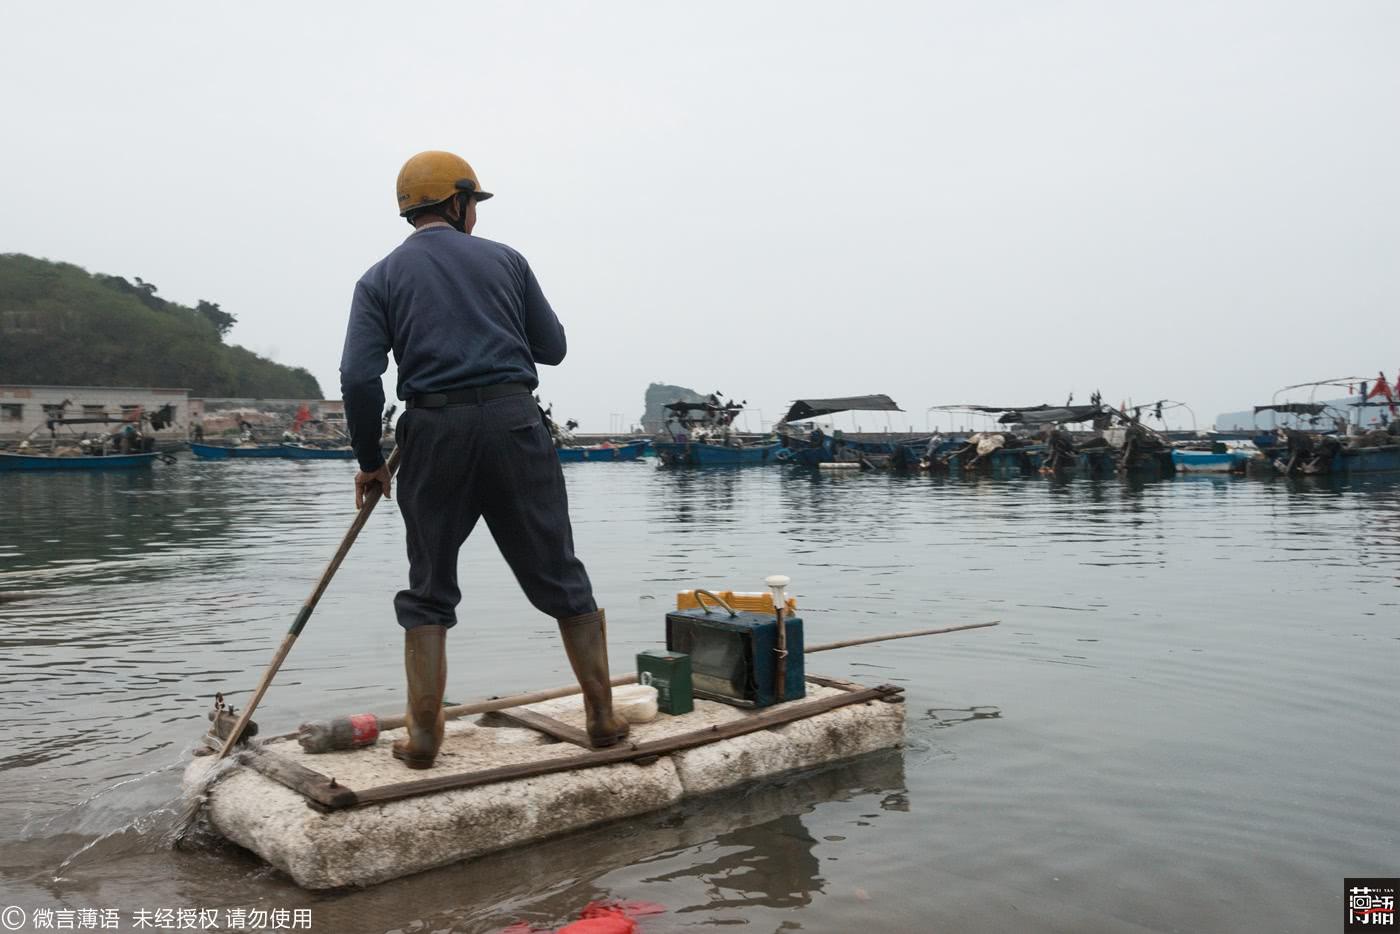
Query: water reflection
x=944 y=717
x=1134 y=613
x=687 y=497
x=108 y=524
x=770 y=864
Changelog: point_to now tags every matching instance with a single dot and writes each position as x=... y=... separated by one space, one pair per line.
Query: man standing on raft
x=467 y=323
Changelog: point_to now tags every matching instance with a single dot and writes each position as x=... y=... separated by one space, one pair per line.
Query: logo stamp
x=1370 y=904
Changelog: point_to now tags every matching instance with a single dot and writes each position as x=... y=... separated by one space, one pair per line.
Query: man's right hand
x=364 y=482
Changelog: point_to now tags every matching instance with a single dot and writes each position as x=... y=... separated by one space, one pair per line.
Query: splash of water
x=177 y=823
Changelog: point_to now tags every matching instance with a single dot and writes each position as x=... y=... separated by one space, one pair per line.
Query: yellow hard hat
x=434 y=176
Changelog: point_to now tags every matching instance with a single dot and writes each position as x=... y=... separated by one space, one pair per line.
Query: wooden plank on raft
x=841 y=684
x=319 y=790
x=837 y=683
x=547 y=725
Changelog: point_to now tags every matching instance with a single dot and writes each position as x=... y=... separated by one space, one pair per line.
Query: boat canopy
x=1293 y=408
x=680 y=407
x=1034 y=414
x=804 y=409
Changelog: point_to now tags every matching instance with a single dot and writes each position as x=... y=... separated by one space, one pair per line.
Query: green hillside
x=60 y=325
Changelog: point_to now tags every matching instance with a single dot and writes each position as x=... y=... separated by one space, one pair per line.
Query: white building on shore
x=1372 y=415
x=23 y=409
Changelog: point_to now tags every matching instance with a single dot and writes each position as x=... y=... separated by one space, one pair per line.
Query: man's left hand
x=364 y=482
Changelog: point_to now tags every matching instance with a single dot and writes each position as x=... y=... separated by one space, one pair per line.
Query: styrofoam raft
x=374 y=843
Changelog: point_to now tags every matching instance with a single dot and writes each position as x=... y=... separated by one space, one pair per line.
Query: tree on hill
x=60 y=325
x=211 y=312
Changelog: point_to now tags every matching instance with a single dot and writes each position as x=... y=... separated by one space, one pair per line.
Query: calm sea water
x=1185 y=722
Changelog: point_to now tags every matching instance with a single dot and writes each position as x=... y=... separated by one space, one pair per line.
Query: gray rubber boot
x=586 y=642
x=425 y=663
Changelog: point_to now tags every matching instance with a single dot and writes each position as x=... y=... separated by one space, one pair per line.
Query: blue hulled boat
x=225 y=451
x=602 y=452
x=810 y=446
x=701 y=434
x=76 y=462
x=1033 y=441
x=306 y=452
x=1229 y=461
x=1355 y=444
x=703 y=454
x=1367 y=460
x=124 y=448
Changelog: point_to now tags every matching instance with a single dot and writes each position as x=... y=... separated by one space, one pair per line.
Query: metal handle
x=717 y=599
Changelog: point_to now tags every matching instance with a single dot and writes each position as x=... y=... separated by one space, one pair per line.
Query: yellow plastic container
x=743 y=602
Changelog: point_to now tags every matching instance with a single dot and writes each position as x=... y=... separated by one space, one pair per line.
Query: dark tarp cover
x=680 y=407
x=1293 y=408
x=1035 y=414
x=812 y=408
x=1045 y=414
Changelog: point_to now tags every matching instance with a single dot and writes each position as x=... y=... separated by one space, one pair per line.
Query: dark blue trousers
x=494 y=461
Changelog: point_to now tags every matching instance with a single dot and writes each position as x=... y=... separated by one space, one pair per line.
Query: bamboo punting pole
x=371 y=500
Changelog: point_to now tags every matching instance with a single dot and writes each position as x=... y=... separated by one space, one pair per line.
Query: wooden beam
x=548 y=726
x=317 y=788
x=838 y=683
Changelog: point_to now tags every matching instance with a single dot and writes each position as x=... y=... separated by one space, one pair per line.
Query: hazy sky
x=946 y=202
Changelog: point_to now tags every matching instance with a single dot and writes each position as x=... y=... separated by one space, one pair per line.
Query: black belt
x=436 y=400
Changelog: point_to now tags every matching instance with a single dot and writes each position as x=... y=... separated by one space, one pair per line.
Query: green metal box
x=669 y=673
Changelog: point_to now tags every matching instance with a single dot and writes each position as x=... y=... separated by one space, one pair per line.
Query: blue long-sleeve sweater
x=458 y=312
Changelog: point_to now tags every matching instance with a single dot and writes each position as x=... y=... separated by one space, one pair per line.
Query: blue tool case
x=734 y=658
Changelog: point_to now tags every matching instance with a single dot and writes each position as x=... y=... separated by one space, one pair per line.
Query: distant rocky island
x=61 y=325
x=657 y=396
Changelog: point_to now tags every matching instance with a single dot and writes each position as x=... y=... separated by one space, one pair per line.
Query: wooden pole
x=847 y=643
x=298 y=624
x=776 y=584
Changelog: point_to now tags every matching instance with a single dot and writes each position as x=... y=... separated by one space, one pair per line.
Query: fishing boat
x=706 y=454
x=1298 y=452
x=570 y=451
x=702 y=434
x=811 y=446
x=310 y=452
x=1217 y=457
x=1351 y=446
x=1034 y=441
x=226 y=451
x=127 y=448
x=79 y=461
x=630 y=451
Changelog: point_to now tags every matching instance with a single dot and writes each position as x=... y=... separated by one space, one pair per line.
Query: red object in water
x=632 y=910
x=598 y=918
x=611 y=924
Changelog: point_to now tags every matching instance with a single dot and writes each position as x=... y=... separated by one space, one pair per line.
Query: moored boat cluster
x=1088 y=440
